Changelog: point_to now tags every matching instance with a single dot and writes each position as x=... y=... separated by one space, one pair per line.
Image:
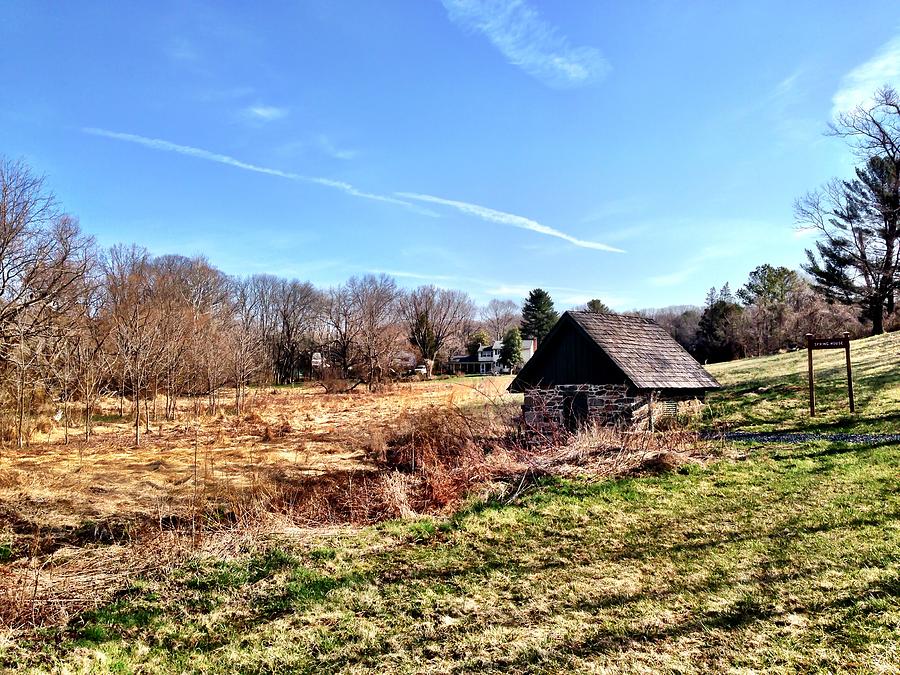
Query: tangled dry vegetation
x=79 y=522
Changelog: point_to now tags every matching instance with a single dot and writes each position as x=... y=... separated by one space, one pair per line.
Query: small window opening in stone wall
x=575 y=410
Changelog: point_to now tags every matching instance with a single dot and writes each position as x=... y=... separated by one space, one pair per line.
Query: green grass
x=771 y=393
x=786 y=561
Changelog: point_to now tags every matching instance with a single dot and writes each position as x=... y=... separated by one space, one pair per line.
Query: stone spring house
x=609 y=369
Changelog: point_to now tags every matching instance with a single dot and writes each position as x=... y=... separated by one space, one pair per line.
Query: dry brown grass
x=78 y=521
x=604 y=452
x=291 y=433
x=86 y=519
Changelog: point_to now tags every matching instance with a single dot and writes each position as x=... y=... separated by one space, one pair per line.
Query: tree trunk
x=20 y=381
x=877 y=315
x=137 y=415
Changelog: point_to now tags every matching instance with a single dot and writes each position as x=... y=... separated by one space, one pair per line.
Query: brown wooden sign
x=813 y=343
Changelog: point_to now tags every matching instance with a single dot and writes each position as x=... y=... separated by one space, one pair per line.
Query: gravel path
x=803 y=437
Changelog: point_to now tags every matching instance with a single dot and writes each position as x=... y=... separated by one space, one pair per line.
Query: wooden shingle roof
x=642 y=349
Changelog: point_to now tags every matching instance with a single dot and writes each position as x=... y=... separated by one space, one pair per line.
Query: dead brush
x=52 y=589
x=607 y=452
x=431 y=460
x=449 y=450
x=278 y=430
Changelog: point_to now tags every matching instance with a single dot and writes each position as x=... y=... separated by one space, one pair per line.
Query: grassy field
x=776 y=558
x=771 y=393
x=786 y=561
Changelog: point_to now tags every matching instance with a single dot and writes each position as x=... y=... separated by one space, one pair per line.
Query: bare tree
x=42 y=256
x=342 y=321
x=246 y=339
x=433 y=316
x=298 y=308
x=135 y=317
x=499 y=316
x=376 y=302
x=89 y=335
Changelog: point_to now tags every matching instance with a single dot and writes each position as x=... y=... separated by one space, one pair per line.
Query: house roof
x=642 y=349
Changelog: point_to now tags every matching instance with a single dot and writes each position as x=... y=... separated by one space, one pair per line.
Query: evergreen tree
x=423 y=337
x=598 y=307
x=717 y=334
x=511 y=352
x=857 y=256
x=768 y=285
x=538 y=315
x=766 y=296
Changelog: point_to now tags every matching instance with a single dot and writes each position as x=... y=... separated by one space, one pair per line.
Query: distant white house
x=487 y=360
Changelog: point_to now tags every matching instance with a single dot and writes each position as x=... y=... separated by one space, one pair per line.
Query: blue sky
x=636 y=152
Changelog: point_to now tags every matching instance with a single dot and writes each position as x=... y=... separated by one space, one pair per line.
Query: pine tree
x=717 y=332
x=538 y=315
x=857 y=257
x=597 y=306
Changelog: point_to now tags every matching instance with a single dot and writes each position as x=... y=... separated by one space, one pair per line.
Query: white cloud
x=519 y=32
x=859 y=84
x=318 y=145
x=673 y=279
x=167 y=146
x=265 y=113
x=329 y=148
x=788 y=85
x=709 y=252
x=494 y=216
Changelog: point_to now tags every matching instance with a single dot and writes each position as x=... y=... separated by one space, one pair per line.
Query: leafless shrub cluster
x=598 y=452
x=436 y=457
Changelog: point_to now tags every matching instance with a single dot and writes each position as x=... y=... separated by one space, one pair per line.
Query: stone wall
x=544 y=410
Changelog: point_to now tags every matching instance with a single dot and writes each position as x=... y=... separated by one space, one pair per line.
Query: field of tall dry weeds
x=80 y=520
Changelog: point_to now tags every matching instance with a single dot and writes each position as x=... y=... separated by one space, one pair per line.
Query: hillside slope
x=770 y=393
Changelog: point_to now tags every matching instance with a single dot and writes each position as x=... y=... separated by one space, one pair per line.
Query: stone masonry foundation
x=569 y=406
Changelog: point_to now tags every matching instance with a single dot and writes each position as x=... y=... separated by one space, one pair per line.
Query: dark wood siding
x=569 y=357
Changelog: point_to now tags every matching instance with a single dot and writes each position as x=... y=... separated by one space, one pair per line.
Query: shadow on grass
x=836 y=449
x=556 y=530
x=782 y=401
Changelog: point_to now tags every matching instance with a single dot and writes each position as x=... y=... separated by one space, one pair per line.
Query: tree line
x=78 y=322
x=771 y=312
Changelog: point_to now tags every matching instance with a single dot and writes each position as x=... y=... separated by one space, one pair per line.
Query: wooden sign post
x=828 y=343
